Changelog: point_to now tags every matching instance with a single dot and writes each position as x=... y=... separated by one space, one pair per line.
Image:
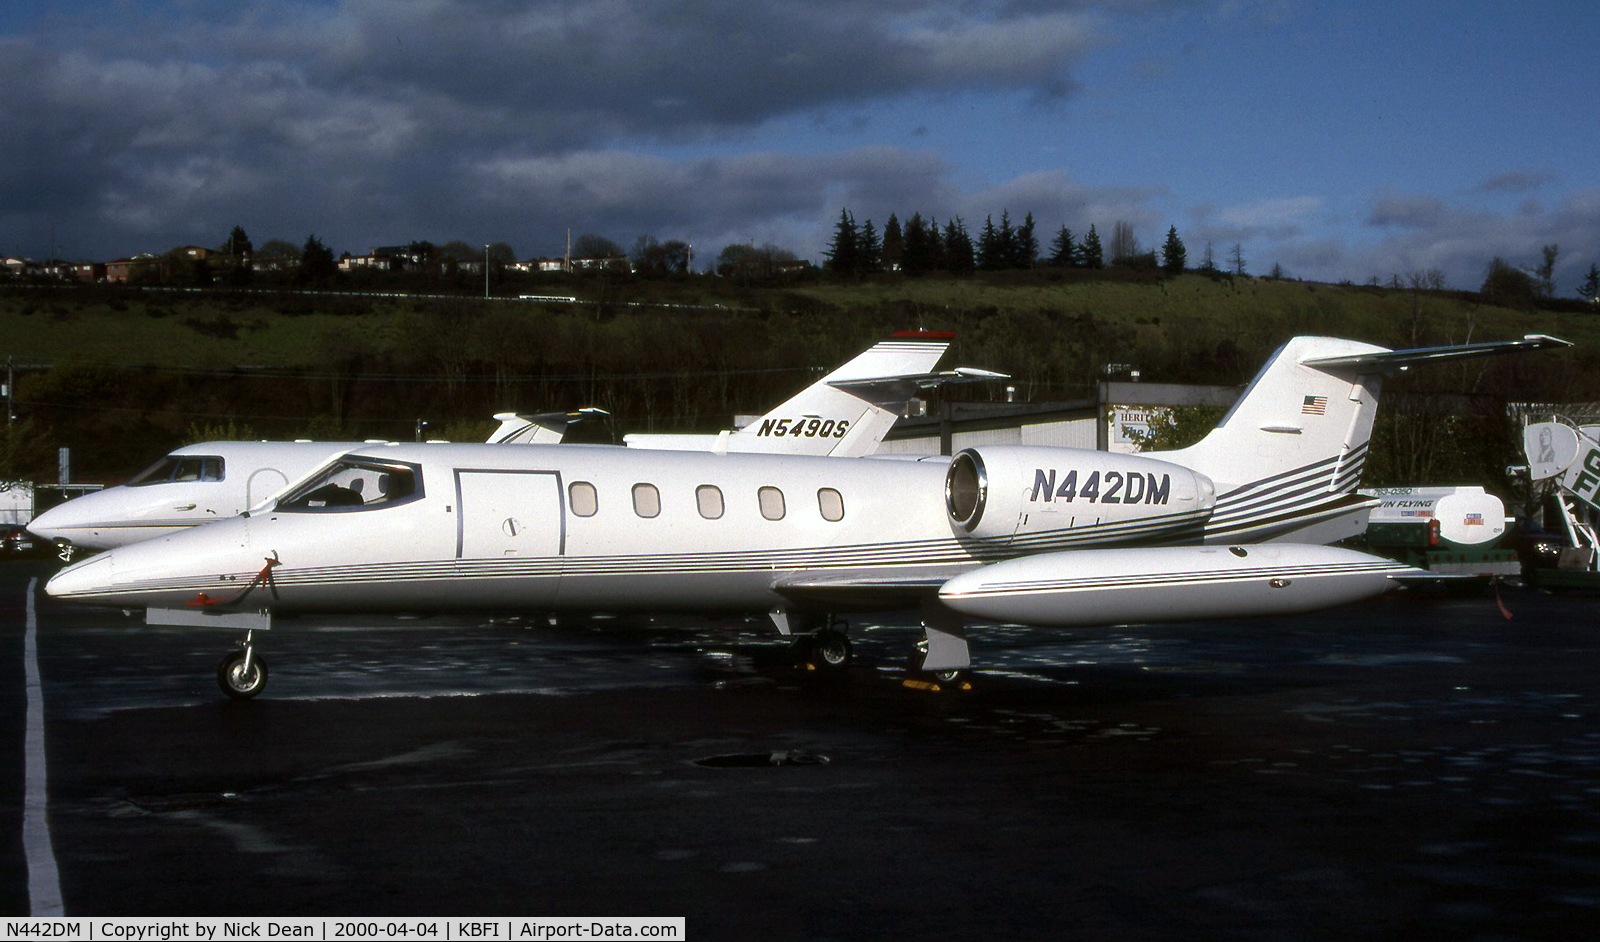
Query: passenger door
x=509 y=514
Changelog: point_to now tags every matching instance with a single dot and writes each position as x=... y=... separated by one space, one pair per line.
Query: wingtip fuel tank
x=1123 y=586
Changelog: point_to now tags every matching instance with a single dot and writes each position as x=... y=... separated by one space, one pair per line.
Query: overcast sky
x=1340 y=140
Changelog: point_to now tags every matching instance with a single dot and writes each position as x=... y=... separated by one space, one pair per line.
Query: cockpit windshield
x=354 y=483
x=175 y=468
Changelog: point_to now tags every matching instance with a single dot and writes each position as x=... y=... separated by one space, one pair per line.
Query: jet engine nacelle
x=997 y=492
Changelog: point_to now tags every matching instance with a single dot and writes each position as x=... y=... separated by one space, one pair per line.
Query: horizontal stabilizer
x=1392 y=361
x=539 y=428
x=892 y=388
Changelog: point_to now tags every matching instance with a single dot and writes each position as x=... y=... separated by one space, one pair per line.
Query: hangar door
x=509 y=514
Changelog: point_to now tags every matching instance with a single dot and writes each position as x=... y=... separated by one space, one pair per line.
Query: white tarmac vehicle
x=1033 y=535
x=211 y=481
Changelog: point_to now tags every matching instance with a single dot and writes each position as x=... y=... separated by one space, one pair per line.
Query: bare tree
x=1236 y=258
x=1124 y=245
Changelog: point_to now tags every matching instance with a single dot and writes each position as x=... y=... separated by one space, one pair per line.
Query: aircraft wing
x=881 y=589
x=1391 y=361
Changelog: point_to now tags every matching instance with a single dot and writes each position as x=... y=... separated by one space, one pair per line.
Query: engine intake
x=998 y=492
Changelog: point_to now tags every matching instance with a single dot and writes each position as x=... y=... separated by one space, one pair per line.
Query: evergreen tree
x=1590 y=289
x=916 y=256
x=1093 y=253
x=1007 y=245
x=1063 y=251
x=316 y=261
x=893 y=244
x=990 y=257
x=844 y=255
x=1173 y=254
x=869 y=250
x=238 y=243
x=957 y=248
x=938 y=259
x=1026 y=244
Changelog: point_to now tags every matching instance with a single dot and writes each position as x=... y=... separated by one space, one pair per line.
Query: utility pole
x=486 y=273
x=11 y=383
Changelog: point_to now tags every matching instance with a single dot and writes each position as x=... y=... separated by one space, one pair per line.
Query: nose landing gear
x=242 y=673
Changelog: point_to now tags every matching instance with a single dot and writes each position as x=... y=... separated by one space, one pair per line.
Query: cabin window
x=709 y=497
x=831 y=503
x=180 y=468
x=771 y=500
x=646 y=500
x=585 y=502
x=354 y=483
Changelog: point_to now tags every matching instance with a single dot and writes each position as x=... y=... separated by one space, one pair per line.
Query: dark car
x=17 y=541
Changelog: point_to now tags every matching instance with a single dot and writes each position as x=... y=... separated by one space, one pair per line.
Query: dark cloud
x=1407 y=211
x=370 y=120
x=139 y=126
x=1516 y=182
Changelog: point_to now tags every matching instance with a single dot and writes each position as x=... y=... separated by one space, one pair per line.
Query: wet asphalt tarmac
x=1413 y=768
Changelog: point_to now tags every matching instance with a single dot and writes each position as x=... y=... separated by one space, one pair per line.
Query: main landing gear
x=830 y=646
x=819 y=642
x=939 y=661
x=242 y=673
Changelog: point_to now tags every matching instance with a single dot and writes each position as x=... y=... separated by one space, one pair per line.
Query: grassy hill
x=131 y=373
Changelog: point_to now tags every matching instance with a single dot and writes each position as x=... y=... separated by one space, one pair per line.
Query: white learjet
x=1036 y=535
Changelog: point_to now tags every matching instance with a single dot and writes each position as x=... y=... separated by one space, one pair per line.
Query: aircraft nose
x=53 y=523
x=87 y=580
x=165 y=570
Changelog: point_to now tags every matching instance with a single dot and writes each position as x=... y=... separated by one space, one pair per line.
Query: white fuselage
x=490 y=527
x=599 y=528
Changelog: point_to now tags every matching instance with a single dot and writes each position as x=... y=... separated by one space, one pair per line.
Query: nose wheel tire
x=236 y=681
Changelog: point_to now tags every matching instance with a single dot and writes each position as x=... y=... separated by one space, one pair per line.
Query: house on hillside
x=120 y=271
x=369 y=262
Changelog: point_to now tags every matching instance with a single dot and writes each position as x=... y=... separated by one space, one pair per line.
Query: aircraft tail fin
x=1295 y=443
x=847 y=412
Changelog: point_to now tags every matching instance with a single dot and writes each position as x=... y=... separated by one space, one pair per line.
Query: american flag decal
x=1314 y=405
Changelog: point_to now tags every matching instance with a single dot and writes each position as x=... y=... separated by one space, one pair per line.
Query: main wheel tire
x=233 y=679
x=833 y=650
